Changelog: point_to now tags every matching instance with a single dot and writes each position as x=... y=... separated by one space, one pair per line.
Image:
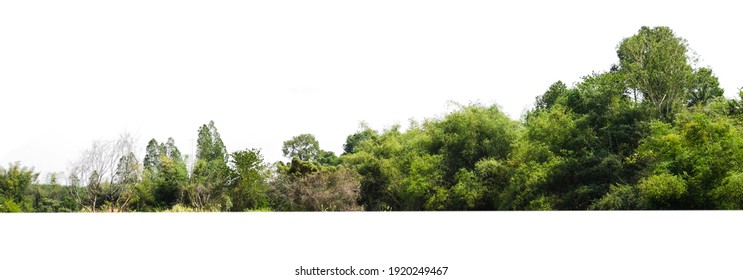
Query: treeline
x=651 y=132
x=109 y=178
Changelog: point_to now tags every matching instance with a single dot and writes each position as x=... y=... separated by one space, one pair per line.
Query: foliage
x=180 y=208
x=703 y=147
x=14 y=182
x=304 y=147
x=355 y=139
x=247 y=186
x=51 y=198
x=209 y=179
x=622 y=197
x=655 y=62
x=704 y=87
x=662 y=191
x=429 y=166
x=164 y=178
x=209 y=145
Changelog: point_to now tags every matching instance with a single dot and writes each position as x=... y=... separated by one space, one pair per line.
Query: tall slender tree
x=209 y=177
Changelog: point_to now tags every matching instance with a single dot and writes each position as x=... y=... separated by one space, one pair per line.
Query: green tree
x=152 y=155
x=729 y=195
x=304 y=147
x=431 y=165
x=655 y=62
x=662 y=191
x=126 y=177
x=327 y=158
x=546 y=100
x=573 y=149
x=210 y=175
x=164 y=177
x=51 y=197
x=171 y=150
x=354 y=140
x=380 y=161
x=170 y=182
x=703 y=151
x=209 y=145
x=14 y=183
x=248 y=188
x=470 y=134
x=208 y=184
x=619 y=197
x=704 y=87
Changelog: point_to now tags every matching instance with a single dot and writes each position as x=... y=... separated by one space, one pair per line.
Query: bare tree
x=336 y=190
x=121 y=189
x=105 y=173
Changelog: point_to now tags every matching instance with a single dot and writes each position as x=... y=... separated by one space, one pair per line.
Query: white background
x=495 y=245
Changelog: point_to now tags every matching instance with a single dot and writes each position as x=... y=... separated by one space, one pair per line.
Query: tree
x=428 y=167
x=210 y=172
x=247 y=187
x=304 y=147
x=573 y=148
x=655 y=62
x=729 y=195
x=704 y=87
x=127 y=176
x=470 y=134
x=662 y=191
x=690 y=163
x=209 y=145
x=165 y=176
x=546 y=100
x=207 y=186
x=152 y=156
x=93 y=176
x=327 y=158
x=170 y=182
x=14 y=182
x=354 y=140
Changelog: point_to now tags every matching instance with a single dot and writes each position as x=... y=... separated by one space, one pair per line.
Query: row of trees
x=652 y=132
x=109 y=177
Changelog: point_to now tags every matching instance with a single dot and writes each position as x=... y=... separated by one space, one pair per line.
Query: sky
x=72 y=72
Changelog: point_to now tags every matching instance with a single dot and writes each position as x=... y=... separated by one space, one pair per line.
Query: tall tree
x=152 y=155
x=209 y=145
x=171 y=150
x=170 y=183
x=655 y=62
x=210 y=173
x=247 y=186
x=165 y=176
x=127 y=176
